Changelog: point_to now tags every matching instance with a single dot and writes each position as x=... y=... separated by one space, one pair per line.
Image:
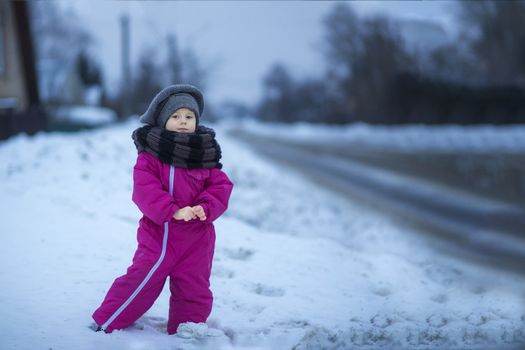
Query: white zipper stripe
x=153 y=269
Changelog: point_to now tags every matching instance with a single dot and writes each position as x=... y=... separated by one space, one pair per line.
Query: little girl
x=180 y=188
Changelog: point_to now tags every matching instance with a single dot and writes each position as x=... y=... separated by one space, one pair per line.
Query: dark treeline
x=375 y=77
x=413 y=98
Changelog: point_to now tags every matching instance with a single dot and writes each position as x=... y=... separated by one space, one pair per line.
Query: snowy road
x=295 y=267
x=486 y=230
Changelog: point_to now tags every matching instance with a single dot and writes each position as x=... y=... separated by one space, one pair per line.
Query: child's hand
x=199 y=211
x=185 y=214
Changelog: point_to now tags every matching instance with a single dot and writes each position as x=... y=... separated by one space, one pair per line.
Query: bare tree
x=365 y=56
x=59 y=38
x=495 y=31
x=174 y=62
x=455 y=63
x=185 y=65
x=342 y=39
x=88 y=69
x=147 y=82
x=194 y=72
x=277 y=103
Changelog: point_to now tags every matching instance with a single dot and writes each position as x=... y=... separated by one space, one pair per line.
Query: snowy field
x=296 y=267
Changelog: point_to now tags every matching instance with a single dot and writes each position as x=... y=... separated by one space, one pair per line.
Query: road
x=459 y=223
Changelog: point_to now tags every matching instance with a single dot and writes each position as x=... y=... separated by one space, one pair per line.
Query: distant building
x=423 y=35
x=20 y=108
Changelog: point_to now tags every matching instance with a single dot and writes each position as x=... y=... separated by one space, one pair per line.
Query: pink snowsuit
x=168 y=247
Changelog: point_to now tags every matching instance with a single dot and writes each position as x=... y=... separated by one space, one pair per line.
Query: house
x=20 y=108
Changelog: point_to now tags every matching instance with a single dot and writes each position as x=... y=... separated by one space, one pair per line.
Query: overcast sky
x=240 y=39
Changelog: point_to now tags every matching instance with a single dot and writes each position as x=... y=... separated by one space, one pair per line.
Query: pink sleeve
x=148 y=194
x=216 y=194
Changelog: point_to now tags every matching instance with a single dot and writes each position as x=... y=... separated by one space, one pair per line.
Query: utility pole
x=126 y=75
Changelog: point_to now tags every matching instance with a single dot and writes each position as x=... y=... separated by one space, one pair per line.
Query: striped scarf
x=198 y=149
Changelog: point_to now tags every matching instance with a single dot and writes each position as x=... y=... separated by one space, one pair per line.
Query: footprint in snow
x=436 y=320
x=432 y=336
x=159 y=324
x=444 y=275
x=268 y=291
x=293 y=323
x=239 y=253
x=381 y=320
x=381 y=291
x=477 y=319
x=221 y=272
x=439 y=298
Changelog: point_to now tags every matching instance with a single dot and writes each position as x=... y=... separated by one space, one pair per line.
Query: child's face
x=182 y=120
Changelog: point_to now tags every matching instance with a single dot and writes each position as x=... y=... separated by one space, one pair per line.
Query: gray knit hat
x=171 y=98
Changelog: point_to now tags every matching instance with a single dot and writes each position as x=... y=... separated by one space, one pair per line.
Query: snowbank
x=414 y=137
x=87 y=115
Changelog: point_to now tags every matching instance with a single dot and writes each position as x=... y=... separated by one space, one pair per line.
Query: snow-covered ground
x=296 y=266
x=414 y=137
x=88 y=115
